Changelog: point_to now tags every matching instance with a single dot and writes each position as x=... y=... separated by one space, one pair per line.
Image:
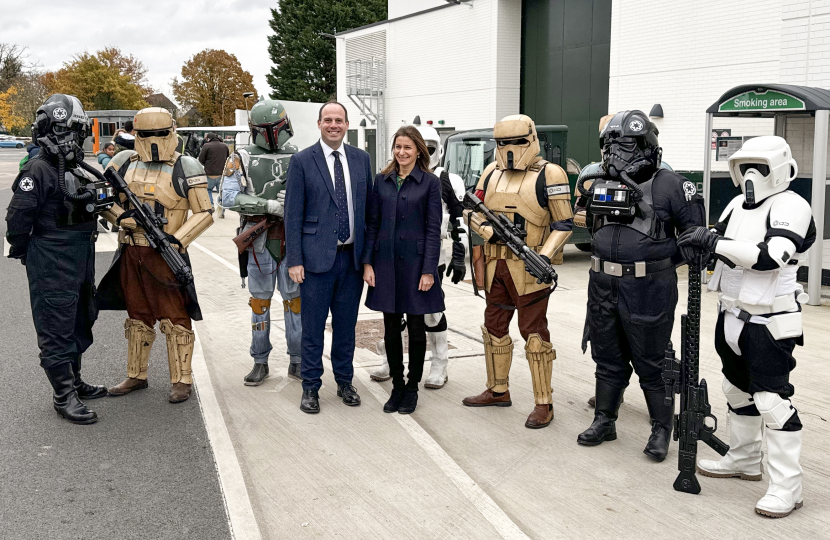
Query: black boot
x=86 y=391
x=66 y=400
x=409 y=401
x=394 y=402
x=662 y=418
x=604 y=426
x=258 y=374
x=294 y=371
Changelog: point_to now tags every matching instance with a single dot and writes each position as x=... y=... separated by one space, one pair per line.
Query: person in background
x=124 y=139
x=213 y=155
x=105 y=155
x=400 y=259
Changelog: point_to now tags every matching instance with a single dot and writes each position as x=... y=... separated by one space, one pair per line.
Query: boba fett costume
x=254 y=186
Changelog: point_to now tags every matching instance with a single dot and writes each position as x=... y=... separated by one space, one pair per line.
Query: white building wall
x=685 y=55
x=459 y=64
x=400 y=8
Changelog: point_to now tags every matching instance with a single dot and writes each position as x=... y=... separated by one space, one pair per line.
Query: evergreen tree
x=304 y=60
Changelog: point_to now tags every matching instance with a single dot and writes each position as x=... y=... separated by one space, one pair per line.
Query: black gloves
x=695 y=240
x=457 y=267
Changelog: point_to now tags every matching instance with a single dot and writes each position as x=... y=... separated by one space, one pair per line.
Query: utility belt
x=637 y=269
x=501 y=251
x=780 y=304
x=136 y=238
x=68 y=236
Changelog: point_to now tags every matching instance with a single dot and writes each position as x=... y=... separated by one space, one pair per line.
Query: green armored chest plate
x=269 y=172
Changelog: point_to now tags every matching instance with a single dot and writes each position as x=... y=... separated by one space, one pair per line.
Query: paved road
x=144 y=471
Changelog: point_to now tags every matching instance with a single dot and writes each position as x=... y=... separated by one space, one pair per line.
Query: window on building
x=468 y=157
x=106 y=129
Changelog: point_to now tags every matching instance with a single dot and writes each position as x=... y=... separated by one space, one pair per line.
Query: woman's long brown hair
x=421 y=161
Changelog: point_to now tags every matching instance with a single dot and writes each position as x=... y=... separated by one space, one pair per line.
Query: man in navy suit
x=325 y=205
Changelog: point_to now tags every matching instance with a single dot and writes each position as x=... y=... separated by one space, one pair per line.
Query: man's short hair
x=326 y=104
x=210 y=136
x=128 y=126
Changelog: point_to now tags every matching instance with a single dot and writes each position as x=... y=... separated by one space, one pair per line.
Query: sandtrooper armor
x=533 y=194
x=175 y=186
x=760 y=240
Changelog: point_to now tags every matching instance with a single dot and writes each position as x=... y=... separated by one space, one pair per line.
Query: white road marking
x=243 y=523
x=6 y=248
x=222 y=260
x=488 y=508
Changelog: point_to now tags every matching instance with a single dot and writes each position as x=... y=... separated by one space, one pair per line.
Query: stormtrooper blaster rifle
x=681 y=377
x=513 y=237
x=153 y=226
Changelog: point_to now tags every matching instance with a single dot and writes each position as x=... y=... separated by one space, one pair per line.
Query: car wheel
x=584 y=247
x=19 y=145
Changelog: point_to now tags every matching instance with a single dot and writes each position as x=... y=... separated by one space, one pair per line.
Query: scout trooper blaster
x=513 y=237
x=153 y=226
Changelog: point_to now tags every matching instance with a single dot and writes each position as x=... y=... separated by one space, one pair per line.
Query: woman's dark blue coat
x=403 y=241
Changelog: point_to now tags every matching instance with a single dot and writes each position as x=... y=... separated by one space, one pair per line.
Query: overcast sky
x=161 y=33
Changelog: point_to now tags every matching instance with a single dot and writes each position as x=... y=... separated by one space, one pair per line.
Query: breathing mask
x=517 y=143
x=155 y=138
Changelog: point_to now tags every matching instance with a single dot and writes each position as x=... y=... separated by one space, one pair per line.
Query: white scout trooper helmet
x=155 y=137
x=433 y=140
x=763 y=167
x=517 y=144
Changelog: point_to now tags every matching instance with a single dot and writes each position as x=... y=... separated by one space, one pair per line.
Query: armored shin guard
x=498 y=355
x=140 y=338
x=540 y=355
x=180 y=342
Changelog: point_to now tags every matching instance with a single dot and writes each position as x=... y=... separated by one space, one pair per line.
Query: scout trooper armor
x=254 y=186
x=759 y=241
x=176 y=187
x=533 y=194
x=436 y=323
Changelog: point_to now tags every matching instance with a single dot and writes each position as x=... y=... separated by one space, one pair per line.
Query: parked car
x=11 y=143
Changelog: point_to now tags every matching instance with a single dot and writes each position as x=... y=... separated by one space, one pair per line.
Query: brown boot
x=126 y=386
x=488 y=399
x=179 y=392
x=541 y=416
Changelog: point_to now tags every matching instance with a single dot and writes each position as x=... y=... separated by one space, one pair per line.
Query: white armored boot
x=744 y=457
x=439 y=349
x=784 y=492
x=381 y=373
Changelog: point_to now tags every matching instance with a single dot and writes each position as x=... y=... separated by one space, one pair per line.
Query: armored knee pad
x=777 y=412
x=540 y=355
x=739 y=401
x=292 y=305
x=140 y=338
x=180 y=343
x=259 y=306
x=498 y=355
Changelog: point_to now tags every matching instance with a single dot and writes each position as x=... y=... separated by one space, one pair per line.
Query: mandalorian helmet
x=517 y=144
x=630 y=139
x=155 y=134
x=764 y=166
x=270 y=126
x=60 y=127
x=433 y=140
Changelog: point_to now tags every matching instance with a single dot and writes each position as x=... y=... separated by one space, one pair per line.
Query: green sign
x=769 y=100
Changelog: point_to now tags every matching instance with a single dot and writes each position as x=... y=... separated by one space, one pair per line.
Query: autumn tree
x=21 y=90
x=12 y=64
x=213 y=82
x=105 y=80
x=304 y=60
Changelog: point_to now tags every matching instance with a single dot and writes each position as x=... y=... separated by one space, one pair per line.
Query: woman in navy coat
x=403 y=241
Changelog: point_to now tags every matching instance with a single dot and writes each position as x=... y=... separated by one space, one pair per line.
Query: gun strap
x=166 y=284
x=259 y=268
x=472 y=263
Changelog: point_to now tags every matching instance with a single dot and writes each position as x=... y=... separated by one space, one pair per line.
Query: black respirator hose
x=580 y=183
x=637 y=195
x=74 y=197
x=91 y=170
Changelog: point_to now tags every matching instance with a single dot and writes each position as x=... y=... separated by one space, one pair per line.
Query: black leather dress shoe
x=349 y=395
x=257 y=375
x=311 y=402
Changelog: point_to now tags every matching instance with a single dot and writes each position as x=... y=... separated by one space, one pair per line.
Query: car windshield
x=467 y=157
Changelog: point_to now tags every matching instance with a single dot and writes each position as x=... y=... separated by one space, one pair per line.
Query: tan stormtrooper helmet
x=517 y=142
x=155 y=137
